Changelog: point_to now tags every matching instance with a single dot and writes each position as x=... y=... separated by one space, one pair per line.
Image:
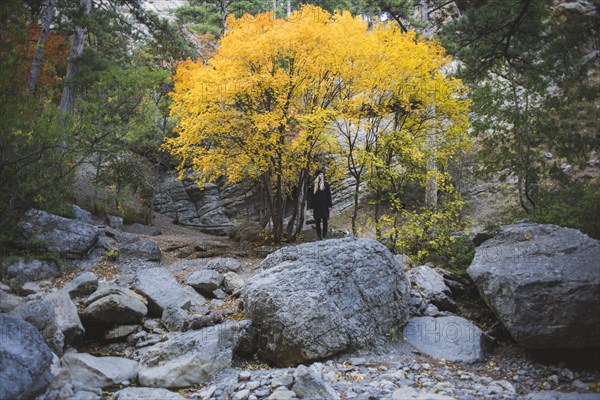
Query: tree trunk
x=38 y=56
x=288 y=7
x=355 y=211
x=67 y=99
x=274 y=9
x=425 y=18
x=302 y=215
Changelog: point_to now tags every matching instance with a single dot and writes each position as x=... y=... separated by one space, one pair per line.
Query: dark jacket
x=320 y=202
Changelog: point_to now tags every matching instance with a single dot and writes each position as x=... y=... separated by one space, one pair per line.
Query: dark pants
x=318 y=221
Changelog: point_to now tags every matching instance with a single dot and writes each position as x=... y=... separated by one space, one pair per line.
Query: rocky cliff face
x=163 y=8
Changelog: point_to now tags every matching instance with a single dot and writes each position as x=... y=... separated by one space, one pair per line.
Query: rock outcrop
x=543 y=283
x=319 y=299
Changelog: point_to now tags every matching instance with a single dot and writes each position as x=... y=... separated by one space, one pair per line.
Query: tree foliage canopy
x=266 y=105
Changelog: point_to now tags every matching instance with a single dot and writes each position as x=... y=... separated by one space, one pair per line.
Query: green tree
x=528 y=64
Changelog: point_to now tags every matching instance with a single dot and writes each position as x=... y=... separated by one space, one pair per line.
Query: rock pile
x=340 y=316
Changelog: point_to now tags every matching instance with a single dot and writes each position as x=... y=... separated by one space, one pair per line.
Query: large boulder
x=162 y=290
x=191 y=358
x=319 y=299
x=543 y=283
x=99 y=372
x=145 y=250
x=25 y=360
x=34 y=270
x=41 y=315
x=114 y=305
x=55 y=317
x=450 y=338
x=69 y=237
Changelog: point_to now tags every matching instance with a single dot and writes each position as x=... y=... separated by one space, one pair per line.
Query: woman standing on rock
x=319 y=199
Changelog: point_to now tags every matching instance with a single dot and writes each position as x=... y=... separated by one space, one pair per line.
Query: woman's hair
x=319 y=184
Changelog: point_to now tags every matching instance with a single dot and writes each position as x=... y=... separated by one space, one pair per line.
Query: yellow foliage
x=269 y=101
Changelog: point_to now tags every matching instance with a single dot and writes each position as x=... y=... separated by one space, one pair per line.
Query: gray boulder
x=99 y=372
x=432 y=286
x=450 y=338
x=309 y=385
x=543 y=283
x=137 y=393
x=205 y=281
x=9 y=302
x=69 y=237
x=232 y=282
x=162 y=290
x=82 y=215
x=190 y=358
x=83 y=284
x=113 y=305
x=224 y=265
x=174 y=318
x=40 y=314
x=34 y=270
x=65 y=315
x=319 y=299
x=114 y=221
x=25 y=360
x=145 y=250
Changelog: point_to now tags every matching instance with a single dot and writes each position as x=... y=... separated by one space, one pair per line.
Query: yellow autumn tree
x=277 y=93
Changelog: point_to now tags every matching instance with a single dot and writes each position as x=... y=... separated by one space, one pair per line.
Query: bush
x=574 y=205
x=35 y=170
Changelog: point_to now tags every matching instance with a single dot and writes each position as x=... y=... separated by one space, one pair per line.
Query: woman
x=319 y=199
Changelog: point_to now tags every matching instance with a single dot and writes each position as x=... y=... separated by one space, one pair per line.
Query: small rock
x=242 y=395
x=224 y=265
x=244 y=376
x=174 y=318
x=577 y=384
x=262 y=393
x=507 y=386
x=205 y=281
x=207 y=392
x=567 y=375
x=232 y=282
x=282 y=380
x=84 y=284
x=114 y=222
x=282 y=394
x=121 y=332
